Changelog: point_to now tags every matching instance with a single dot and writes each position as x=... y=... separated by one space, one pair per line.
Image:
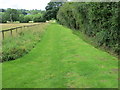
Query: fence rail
x=12 y=29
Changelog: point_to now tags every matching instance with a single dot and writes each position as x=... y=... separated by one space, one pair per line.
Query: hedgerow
x=98 y=20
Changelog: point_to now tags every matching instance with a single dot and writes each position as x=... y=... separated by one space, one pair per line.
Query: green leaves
x=51 y=10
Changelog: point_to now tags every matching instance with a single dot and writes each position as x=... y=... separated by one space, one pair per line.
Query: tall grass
x=21 y=42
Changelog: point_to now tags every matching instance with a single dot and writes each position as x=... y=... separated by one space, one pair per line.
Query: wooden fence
x=13 y=29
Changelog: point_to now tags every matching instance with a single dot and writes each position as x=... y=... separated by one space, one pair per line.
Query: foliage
x=51 y=10
x=38 y=18
x=2 y=19
x=96 y=19
x=24 y=16
x=11 y=14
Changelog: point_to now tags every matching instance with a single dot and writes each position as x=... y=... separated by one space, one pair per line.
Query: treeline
x=21 y=15
x=96 y=19
x=24 y=16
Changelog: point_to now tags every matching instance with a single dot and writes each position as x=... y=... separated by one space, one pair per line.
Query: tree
x=3 y=17
x=21 y=18
x=22 y=11
x=2 y=10
x=28 y=18
x=12 y=14
x=52 y=9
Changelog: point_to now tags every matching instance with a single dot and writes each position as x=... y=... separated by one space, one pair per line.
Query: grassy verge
x=21 y=42
x=92 y=41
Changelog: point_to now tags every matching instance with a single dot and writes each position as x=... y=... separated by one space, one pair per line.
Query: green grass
x=62 y=60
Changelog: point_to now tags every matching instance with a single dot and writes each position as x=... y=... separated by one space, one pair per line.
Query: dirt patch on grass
x=75 y=57
x=102 y=66
x=114 y=70
x=71 y=85
x=69 y=74
x=103 y=59
x=103 y=80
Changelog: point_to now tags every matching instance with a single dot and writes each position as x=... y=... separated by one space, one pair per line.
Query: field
x=8 y=26
x=60 y=60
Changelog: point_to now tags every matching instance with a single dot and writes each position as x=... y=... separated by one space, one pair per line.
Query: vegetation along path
x=62 y=60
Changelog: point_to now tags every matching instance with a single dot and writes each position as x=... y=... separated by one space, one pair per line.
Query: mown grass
x=21 y=42
x=62 y=60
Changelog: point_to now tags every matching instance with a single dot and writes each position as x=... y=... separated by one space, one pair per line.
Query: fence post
x=21 y=29
x=3 y=35
x=11 y=32
x=16 y=30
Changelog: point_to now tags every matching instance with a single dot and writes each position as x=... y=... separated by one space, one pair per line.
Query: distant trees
x=2 y=19
x=2 y=10
x=22 y=15
x=22 y=11
x=38 y=18
x=35 y=15
x=11 y=14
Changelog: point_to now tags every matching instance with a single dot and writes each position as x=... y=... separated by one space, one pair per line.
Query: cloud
x=24 y=4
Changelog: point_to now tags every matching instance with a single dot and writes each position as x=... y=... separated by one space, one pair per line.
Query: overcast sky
x=24 y=4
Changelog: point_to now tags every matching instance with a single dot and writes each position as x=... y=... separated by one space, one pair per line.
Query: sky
x=24 y=4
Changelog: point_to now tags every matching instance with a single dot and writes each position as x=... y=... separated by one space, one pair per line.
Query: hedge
x=96 y=19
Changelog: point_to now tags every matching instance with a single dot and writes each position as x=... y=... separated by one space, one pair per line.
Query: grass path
x=62 y=60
